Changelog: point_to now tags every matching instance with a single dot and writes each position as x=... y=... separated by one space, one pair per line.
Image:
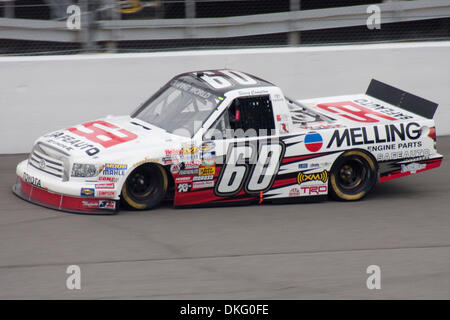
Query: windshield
x=179 y=107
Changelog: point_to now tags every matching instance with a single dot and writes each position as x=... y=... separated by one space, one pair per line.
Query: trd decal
x=314 y=190
x=97 y=132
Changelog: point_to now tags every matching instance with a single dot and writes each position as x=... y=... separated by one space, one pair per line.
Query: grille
x=49 y=160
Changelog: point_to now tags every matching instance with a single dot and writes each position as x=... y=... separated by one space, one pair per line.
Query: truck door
x=248 y=153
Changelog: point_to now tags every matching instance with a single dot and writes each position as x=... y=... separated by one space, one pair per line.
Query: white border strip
x=97 y=56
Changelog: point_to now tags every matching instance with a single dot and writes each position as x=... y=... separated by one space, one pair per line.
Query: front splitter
x=60 y=202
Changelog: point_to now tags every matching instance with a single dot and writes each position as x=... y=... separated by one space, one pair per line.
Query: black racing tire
x=352 y=176
x=145 y=187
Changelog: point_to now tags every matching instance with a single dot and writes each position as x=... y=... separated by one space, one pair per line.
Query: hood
x=111 y=136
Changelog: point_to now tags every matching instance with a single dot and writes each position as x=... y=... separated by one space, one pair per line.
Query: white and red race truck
x=220 y=137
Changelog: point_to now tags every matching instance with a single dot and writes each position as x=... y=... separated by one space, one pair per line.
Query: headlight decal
x=84 y=170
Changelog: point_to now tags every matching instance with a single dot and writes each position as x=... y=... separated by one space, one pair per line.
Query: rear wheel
x=352 y=176
x=145 y=187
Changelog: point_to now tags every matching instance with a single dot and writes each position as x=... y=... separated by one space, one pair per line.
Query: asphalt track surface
x=294 y=251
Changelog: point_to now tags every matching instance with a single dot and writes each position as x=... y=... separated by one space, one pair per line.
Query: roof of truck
x=236 y=80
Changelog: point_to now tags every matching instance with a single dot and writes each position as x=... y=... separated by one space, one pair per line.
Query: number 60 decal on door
x=245 y=167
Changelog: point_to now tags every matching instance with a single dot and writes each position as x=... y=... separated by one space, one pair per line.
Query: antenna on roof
x=200 y=74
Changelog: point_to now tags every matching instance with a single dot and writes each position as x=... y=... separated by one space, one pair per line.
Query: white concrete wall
x=41 y=94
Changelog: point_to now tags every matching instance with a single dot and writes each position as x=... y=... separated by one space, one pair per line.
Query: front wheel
x=353 y=176
x=145 y=187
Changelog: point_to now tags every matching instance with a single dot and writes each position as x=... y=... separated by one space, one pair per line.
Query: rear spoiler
x=401 y=99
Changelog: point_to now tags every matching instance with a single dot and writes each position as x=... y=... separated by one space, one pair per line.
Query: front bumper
x=44 y=195
x=62 y=202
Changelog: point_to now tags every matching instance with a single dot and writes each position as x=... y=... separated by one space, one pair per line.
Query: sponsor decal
x=183 y=187
x=95 y=133
x=189 y=150
x=413 y=167
x=393 y=146
x=190 y=88
x=207 y=146
x=294 y=192
x=87 y=192
x=189 y=157
x=319 y=176
x=105 y=193
x=208 y=162
x=320 y=164
x=174 y=168
x=105 y=186
x=204 y=171
x=209 y=155
x=313 y=141
x=203 y=178
x=112 y=169
x=32 y=180
x=408 y=145
x=283 y=117
x=203 y=184
x=107 y=204
x=111 y=179
x=313 y=165
x=314 y=190
x=354 y=112
x=193 y=164
x=321 y=126
x=170 y=160
x=284 y=120
x=303 y=166
x=189 y=172
x=375 y=134
x=69 y=143
x=172 y=152
x=419 y=154
x=386 y=110
x=183 y=179
x=90 y=204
